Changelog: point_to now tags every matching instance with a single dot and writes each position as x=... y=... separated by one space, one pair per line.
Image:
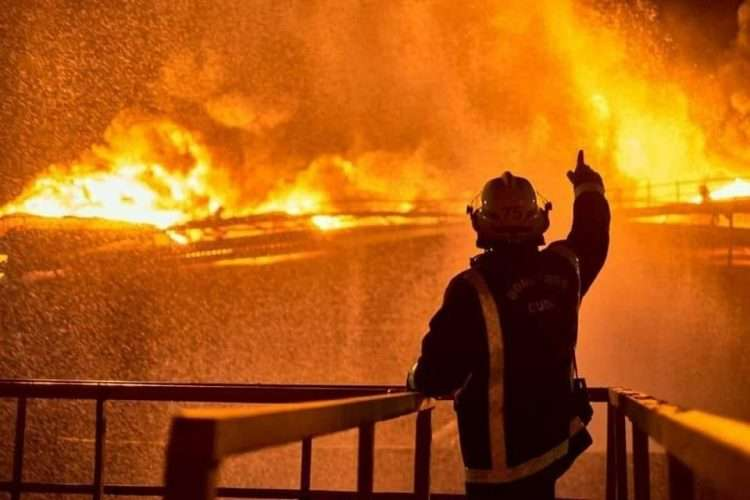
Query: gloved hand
x=410 y=383
x=584 y=174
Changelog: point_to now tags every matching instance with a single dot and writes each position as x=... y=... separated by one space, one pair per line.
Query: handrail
x=697 y=443
x=710 y=446
x=104 y=391
x=183 y=391
x=201 y=438
x=646 y=192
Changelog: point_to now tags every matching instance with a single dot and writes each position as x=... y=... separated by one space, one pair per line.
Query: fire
x=127 y=181
x=137 y=193
x=330 y=222
x=298 y=201
x=739 y=188
x=153 y=171
x=639 y=115
x=648 y=112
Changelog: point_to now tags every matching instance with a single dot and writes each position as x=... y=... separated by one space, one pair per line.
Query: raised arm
x=589 y=236
x=451 y=346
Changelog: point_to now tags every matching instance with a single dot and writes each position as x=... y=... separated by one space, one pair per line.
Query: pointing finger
x=580 y=161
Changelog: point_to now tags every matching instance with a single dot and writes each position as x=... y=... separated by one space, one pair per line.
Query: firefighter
x=503 y=342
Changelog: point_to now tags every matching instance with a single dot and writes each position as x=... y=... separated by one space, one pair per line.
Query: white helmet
x=508 y=211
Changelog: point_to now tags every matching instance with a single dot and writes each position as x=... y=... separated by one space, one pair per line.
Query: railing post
x=192 y=471
x=101 y=430
x=680 y=479
x=611 y=485
x=306 y=467
x=366 y=460
x=621 y=456
x=422 y=455
x=18 y=448
x=641 y=467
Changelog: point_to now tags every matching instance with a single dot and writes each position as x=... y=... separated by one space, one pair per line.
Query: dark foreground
x=656 y=321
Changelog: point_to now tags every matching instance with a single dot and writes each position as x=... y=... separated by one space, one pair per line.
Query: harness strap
x=500 y=472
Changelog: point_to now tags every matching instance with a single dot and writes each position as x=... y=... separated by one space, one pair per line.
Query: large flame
x=642 y=118
x=735 y=189
x=643 y=106
x=152 y=172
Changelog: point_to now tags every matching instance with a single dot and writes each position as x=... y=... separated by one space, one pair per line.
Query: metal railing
x=201 y=438
x=698 y=444
x=102 y=392
x=645 y=194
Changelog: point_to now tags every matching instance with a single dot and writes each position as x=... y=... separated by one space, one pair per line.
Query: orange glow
x=740 y=188
x=640 y=103
x=642 y=117
x=297 y=202
x=158 y=173
x=330 y=222
x=128 y=182
x=129 y=192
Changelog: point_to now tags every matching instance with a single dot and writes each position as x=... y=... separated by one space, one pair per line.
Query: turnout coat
x=503 y=344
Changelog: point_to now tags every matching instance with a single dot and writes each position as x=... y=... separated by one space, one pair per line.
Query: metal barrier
x=102 y=392
x=201 y=438
x=697 y=444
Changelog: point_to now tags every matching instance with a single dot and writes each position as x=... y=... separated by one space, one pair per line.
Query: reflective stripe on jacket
x=500 y=471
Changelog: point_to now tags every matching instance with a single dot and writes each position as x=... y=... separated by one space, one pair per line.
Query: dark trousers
x=525 y=489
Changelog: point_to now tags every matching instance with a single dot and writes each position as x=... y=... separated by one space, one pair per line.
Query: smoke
x=443 y=95
x=734 y=135
x=413 y=100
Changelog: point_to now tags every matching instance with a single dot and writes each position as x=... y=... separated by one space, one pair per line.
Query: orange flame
x=128 y=182
x=640 y=103
x=640 y=119
x=155 y=172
